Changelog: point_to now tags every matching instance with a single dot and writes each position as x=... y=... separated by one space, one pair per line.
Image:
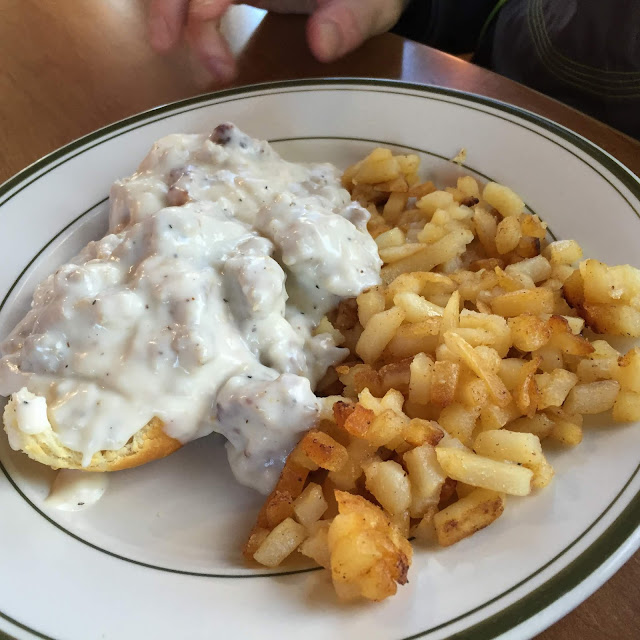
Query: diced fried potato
x=627 y=406
x=356 y=420
x=510 y=372
x=310 y=505
x=256 y=538
x=426 y=478
x=573 y=289
x=368 y=553
x=378 y=166
x=529 y=332
x=422 y=189
x=563 y=252
x=393 y=238
x=592 y=397
x=280 y=543
x=370 y=303
x=468 y=186
x=419 y=432
x=528 y=247
x=458 y=196
x=435 y=200
x=563 y=338
x=554 y=387
x=360 y=453
x=471 y=392
x=468 y=355
x=590 y=370
x=550 y=357
x=494 y=417
x=514 y=281
x=516 y=303
x=521 y=448
x=483 y=472
x=444 y=382
x=538 y=268
x=526 y=394
x=459 y=421
x=385 y=427
x=451 y=314
x=617 y=320
x=378 y=333
x=508 y=235
x=532 y=226
x=566 y=432
x=396 y=185
x=392 y=399
x=463 y=518
x=389 y=255
x=445 y=249
x=542 y=476
x=323 y=450
x=316 y=546
x=420 y=380
x=389 y=484
x=425 y=283
x=326 y=327
x=610 y=285
x=496 y=325
x=416 y=307
x=424 y=532
x=486 y=228
x=539 y=425
x=627 y=373
x=502 y=198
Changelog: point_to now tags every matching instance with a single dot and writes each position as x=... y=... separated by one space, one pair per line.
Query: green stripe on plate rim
x=611 y=540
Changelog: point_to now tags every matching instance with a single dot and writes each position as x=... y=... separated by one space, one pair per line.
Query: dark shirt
x=585 y=53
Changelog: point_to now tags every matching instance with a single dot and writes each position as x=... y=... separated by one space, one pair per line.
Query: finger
x=166 y=21
x=211 y=49
x=339 y=26
x=205 y=10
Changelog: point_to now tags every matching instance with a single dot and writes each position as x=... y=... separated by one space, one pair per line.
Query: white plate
x=159 y=555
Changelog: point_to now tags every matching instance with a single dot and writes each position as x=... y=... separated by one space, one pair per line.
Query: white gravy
x=198 y=307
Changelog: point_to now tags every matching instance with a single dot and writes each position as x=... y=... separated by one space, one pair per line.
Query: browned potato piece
x=323 y=450
x=444 y=382
x=463 y=518
x=516 y=303
x=368 y=553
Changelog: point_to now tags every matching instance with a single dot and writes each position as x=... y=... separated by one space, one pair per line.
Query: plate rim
x=609 y=548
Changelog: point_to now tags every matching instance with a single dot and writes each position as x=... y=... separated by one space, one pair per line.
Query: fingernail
x=330 y=40
x=222 y=69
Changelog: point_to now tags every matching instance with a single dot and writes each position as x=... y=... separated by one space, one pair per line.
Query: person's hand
x=335 y=27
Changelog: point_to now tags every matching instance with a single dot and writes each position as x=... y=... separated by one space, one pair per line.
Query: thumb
x=339 y=26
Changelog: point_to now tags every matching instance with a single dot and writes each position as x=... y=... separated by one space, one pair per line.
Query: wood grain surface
x=71 y=66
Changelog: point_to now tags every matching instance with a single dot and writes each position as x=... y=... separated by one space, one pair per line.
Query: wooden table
x=70 y=66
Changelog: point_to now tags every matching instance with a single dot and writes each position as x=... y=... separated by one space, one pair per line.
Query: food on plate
x=384 y=357
x=479 y=345
x=197 y=312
